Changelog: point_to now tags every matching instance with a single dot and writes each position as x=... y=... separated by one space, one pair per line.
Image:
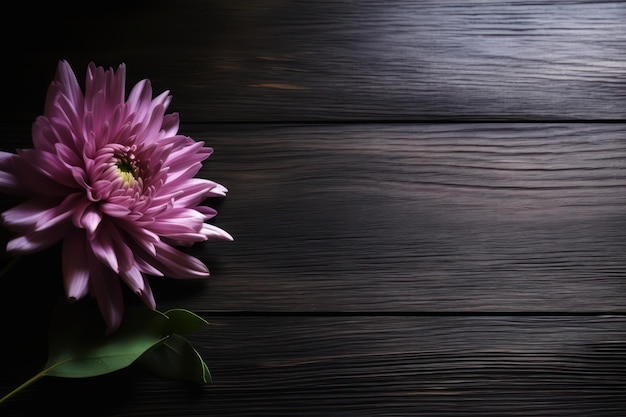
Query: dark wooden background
x=427 y=198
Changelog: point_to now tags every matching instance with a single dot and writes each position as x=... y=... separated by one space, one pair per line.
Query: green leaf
x=79 y=347
x=176 y=358
x=184 y=321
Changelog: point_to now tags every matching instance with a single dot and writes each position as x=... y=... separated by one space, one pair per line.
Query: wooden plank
x=337 y=59
x=570 y=366
x=412 y=217
x=489 y=217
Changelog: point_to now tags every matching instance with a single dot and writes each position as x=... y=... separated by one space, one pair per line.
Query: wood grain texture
x=276 y=60
x=371 y=366
x=463 y=217
x=413 y=217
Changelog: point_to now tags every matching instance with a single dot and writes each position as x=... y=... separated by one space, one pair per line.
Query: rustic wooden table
x=427 y=198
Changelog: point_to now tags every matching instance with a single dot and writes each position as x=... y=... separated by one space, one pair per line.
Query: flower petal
x=215 y=233
x=24 y=216
x=35 y=182
x=177 y=264
x=36 y=241
x=68 y=84
x=105 y=287
x=102 y=247
x=207 y=212
x=9 y=182
x=75 y=265
x=87 y=217
x=114 y=210
x=58 y=213
x=133 y=279
x=170 y=124
x=177 y=220
x=110 y=247
x=194 y=191
x=146 y=295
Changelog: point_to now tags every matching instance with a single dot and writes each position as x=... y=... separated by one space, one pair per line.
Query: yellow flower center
x=127 y=170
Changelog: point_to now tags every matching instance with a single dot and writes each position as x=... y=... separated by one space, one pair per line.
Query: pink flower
x=114 y=181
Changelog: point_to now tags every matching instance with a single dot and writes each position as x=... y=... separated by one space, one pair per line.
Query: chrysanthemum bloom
x=111 y=178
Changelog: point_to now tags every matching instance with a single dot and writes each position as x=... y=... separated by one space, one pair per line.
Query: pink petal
x=66 y=113
x=177 y=220
x=109 y=246
x=139 y=99
x=5 y=160
x=36 y=183
x=146 y=295
x=207 y=212
x=176 y=264
x=36 y=241
x=69 y=84
x=140 y=286
x=49 y=165
x=67 y=155
x=218 y=191
x=58 y=213
x=9 y=184
x=115 y=88
x=102 y=248
x=140 y=237
x=114 y=210
x=145 y=267
x=181 y=159
x=215 y=233
x=133 y=279
x=87 y=217
x=105 y=287
x=24 y=216
x=47 y=132
x=170 y=124
x=75 y=265
x=151 y=124
x=195 y=190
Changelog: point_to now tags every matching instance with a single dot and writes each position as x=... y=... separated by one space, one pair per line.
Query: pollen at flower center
x=127 y=169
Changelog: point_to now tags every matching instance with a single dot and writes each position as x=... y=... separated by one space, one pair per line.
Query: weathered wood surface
x=514 y=217
x=437 y=267
x=385 y=366
x=335 y=60
x=352 y=240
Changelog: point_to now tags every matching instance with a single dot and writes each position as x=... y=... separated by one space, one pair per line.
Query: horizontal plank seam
x=435 y=121
x=245 y=313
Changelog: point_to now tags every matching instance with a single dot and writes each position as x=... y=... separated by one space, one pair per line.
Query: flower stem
x=26 y=384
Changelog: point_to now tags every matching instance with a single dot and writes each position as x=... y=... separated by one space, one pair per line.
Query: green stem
x=24 y=385
x=32 y=380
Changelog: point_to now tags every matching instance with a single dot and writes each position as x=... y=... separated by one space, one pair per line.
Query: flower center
x=127 y=168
